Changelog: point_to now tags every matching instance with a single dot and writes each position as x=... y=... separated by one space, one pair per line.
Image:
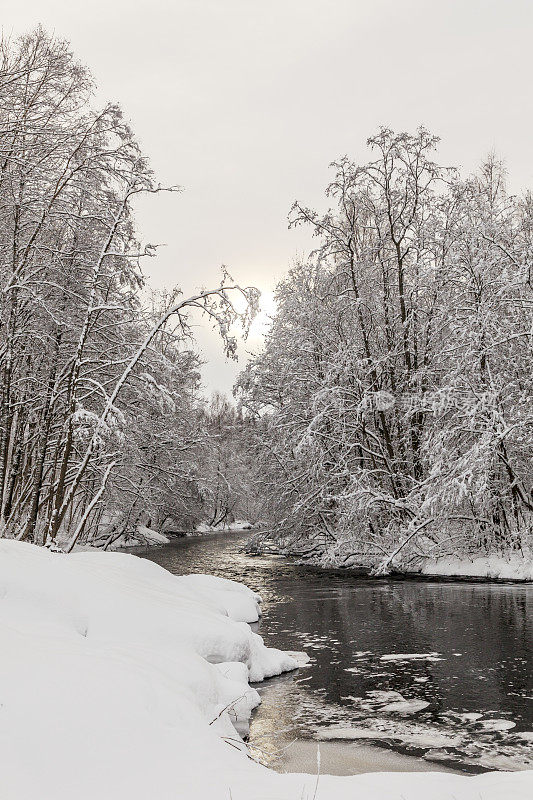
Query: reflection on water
x=464 y=649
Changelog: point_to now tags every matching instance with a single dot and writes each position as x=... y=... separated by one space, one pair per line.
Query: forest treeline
x=102 y=424
x=393 y=397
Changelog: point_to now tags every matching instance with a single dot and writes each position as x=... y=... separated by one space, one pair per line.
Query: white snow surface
x=511 y=568
x=120 y=681
x=142 y=536
x=239 y=602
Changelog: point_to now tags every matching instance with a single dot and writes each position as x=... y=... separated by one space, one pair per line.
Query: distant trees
x=230 y=490
x=99 y=417
x=393 y=396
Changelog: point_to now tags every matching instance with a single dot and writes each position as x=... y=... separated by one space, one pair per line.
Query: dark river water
x=403 y=673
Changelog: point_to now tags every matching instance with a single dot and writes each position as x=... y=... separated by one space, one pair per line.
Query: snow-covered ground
x=120 y=681
x=513 y=567
x=142 y=536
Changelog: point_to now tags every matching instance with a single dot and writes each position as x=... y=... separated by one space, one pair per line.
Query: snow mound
x=102 y=652
x=239 y=602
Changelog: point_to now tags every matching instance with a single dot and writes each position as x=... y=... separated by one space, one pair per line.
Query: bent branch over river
x=403 y=673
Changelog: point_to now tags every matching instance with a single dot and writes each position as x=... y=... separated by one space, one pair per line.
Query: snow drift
x=120 y=681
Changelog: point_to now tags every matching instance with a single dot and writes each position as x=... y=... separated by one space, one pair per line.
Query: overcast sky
x=244 y=103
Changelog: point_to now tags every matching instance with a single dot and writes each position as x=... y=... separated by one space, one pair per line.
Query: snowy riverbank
x=142 y=537
x=512 y=566
x=147 y=537
x=120 y=680
x=228 y=527
x=495 y=567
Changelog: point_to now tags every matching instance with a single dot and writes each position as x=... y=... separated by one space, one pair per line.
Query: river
x=404 y=674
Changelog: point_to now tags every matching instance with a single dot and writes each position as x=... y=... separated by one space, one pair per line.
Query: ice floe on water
x=390 y=702
x=418 y=736
x=468 y=716
x=411 y=657
x=380 y=696
x=458 y=745
x=406 y=706
x=412 y=719
x=467 y=737
x=430 y=739
x=497 y=724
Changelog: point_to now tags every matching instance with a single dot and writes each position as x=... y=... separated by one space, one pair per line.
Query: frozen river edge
x=120 y=680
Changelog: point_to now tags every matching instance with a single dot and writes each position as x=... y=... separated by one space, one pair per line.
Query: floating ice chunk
x=497 y=724
x=406 y=707
x=411 y=657
x=527 y=736
x=431 y=739
x=386 y=696
x=470 y=716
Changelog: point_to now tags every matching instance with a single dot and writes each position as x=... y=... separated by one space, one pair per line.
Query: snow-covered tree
x=99 y=417
x=394 y=391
